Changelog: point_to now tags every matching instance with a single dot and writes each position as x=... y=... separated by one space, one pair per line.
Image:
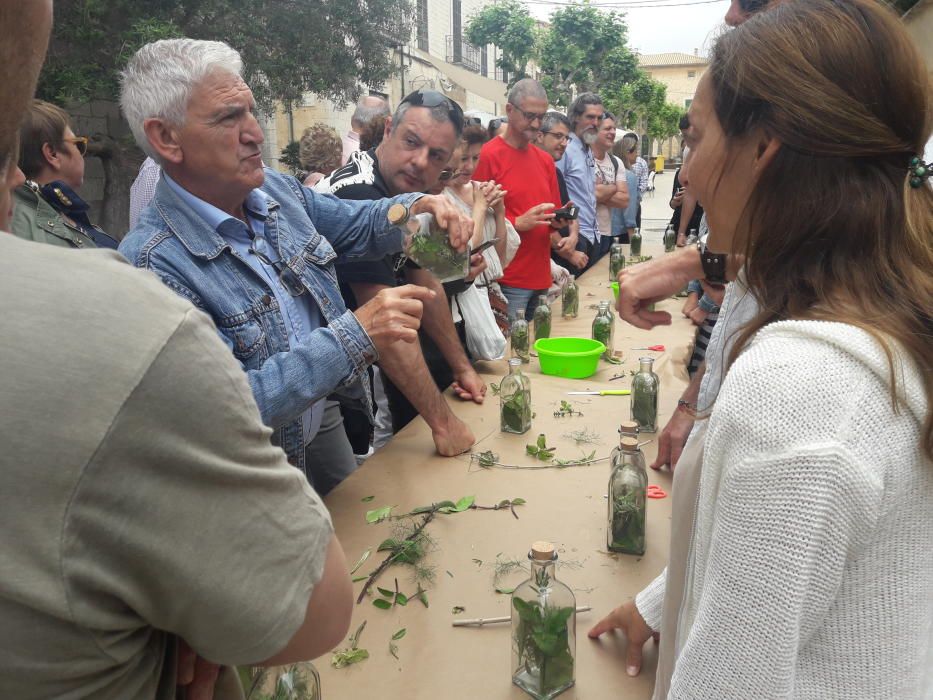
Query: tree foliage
x=289 y=47
x=582 y=49
x=509 y=26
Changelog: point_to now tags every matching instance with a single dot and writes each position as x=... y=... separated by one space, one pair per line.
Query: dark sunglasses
x=446 y=175
x=494 y=124
x=432 y=98
x=259 y=246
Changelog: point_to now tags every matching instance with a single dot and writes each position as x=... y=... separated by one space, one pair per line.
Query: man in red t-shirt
x=528 y=175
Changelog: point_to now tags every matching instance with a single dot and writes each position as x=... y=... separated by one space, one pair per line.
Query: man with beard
x=529 y=177
x=578 y=168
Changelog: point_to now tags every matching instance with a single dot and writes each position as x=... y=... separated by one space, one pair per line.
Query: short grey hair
x=526 y=88
x=160 y=78
x=440 y=114
x=367 y=110
x=579 y=105
x=552 y=119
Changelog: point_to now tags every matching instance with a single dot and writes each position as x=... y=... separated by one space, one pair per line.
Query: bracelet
x=687 y=407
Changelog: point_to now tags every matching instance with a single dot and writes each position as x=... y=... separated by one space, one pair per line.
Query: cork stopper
x=543 y=551
x=398 y=214
x=629 y=428
x=629 y=444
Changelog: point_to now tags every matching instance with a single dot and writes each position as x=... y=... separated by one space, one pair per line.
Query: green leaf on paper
x=382 y=603
x=367 y=499
x=363 y=558
x=398 y=635
x=379 y=514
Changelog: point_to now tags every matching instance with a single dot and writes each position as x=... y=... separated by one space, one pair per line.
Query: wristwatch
x=714 y=264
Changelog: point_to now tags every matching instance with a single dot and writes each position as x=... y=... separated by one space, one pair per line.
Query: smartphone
x=568 y=213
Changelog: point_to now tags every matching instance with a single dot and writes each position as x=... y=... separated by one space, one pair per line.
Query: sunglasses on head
x=432 y=98
x=80 y=143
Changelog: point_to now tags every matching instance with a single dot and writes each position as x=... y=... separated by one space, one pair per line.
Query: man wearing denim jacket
x=245 y=245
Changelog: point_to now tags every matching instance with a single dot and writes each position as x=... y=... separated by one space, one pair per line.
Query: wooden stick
x=391 y=558
x=480 y=621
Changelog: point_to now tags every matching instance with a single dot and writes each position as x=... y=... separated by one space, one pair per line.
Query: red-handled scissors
x=655 y=491
x=654 y=348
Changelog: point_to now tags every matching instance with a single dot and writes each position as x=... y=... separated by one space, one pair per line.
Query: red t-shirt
x=530 y=178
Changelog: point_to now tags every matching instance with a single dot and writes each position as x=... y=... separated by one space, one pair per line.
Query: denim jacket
x=191 y=258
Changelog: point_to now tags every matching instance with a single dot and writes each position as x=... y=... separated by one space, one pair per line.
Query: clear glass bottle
x=544 y=622
x=670 y=239
x=692 y=237
x=519 y=339
x=515 y=400
x=427 y=244
x=628 y=484
x=570 y=299
x=616 y=261
x=603 y=328
x=645 y=387
x=542 y=318
x=635 y=243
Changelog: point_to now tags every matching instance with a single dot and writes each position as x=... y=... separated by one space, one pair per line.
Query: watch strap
x=714 y=264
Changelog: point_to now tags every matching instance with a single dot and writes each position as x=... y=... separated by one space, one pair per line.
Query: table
x=564 y=506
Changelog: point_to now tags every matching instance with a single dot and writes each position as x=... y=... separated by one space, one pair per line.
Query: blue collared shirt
x=577 y=165
x=301 y=313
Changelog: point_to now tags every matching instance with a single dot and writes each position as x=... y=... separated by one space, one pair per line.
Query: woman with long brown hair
x=801 y=564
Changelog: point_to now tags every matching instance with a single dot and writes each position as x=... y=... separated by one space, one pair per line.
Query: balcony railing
x=463 y=53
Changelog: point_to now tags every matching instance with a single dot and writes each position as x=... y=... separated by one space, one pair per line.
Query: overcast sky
x=658 y=29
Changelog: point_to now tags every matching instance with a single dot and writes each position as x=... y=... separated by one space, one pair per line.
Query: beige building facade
x=437 y=57
x=679 y=73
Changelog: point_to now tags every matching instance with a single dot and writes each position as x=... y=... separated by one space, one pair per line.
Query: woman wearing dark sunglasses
x=48 y=208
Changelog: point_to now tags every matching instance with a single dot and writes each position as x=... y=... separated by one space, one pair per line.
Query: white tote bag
x=483 y=338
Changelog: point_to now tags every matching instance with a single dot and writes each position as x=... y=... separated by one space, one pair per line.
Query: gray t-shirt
x=141 y=498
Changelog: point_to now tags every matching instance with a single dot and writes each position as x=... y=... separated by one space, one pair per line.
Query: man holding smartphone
x=529 y=177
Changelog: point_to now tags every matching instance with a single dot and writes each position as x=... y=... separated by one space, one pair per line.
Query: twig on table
x=388 y=561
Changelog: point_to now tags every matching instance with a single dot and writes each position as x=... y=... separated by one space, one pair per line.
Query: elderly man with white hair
x=244 y=244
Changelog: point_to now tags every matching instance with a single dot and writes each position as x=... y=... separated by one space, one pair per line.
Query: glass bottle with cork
x=628 y=486
x=519 y=339
x=542 y=318
x=670 y=239
x=603 y=328
x=616 y=261
x=515 y=400
x=570 y=299
x=645 y=387
x=544 y=620
x=635 y=243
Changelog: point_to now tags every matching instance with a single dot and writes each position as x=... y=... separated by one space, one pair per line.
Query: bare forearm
x=502 y=238
x=438 y=323
x=686 y=212
x=404 y=364
x=605 y=192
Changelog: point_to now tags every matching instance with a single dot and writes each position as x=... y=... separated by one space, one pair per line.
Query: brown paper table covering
x=565 y=506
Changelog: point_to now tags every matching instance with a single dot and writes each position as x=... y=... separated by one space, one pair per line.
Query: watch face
x=398 y=214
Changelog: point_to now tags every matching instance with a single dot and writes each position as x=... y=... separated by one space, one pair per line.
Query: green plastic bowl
x=574 y=358
x=615 y=291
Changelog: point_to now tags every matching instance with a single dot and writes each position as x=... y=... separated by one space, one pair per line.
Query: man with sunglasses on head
x=579 y=169
x=247 y=245
x=418 y=141
x=48 y=208
x=529 y=177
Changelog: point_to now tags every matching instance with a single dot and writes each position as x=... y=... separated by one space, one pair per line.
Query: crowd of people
x=175 y=406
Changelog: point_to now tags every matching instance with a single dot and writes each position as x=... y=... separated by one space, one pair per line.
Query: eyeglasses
x=259 y=246
x=560 y=137
x=432 y=98
x=530 y=116
x=80 y=143
x=446 y=175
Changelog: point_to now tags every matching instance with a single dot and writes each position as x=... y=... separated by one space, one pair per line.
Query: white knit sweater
x=812 y=549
